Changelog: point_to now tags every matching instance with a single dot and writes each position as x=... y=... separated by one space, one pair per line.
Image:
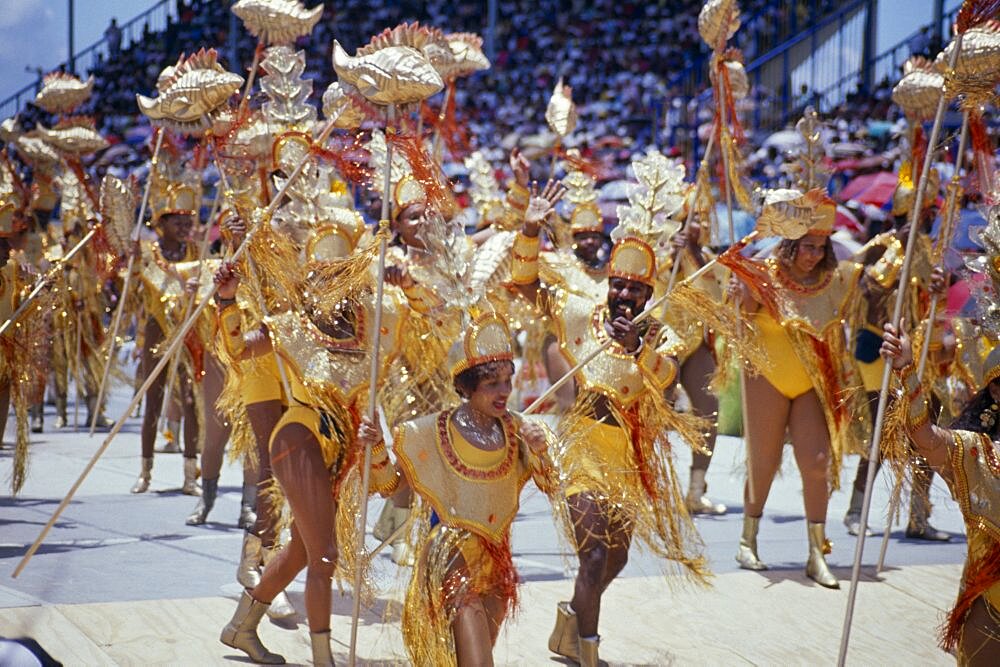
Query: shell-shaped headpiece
x=790 y=214
x=77 y=136
x=277 y=21
x=467 y=49
x=718 y=21
x=62 y=92
x=561 y=112
x=36 y=152
x=191 y=93
x=918 y=92
x=392 y=68
x=976 y=73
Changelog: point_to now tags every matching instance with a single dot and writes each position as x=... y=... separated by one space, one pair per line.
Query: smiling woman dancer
x=967 y=456
x=468 y=465
x=799 y=299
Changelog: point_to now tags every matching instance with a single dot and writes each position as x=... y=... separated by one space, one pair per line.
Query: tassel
x=978 y=577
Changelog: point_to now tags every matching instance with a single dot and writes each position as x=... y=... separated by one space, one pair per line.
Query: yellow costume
x=802 y=329
x=470 y=497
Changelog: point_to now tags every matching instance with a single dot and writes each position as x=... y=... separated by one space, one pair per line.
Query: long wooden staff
x=737 y=304
x=674 y=270
x=123 y=297
x=883 y=396
x=77 y=371
x=372 y=386
x=161 y=364
x=45 y=280
x=944 y=242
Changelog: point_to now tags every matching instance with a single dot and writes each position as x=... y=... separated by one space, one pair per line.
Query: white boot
x=281 y=607
x=248 y=571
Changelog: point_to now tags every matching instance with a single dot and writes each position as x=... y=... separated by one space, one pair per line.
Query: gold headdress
x=644 y=223
x=486 y=339
x=905 y=194
x=277 y=21
x=74 y=136
x=485 y=191
x=62 y=92
x=175 y=189
x=10 y=202
x=918 y=92
x=581 y=193
x=406 y=189
x=392 y=68
x=191 y=93
x=790 y=214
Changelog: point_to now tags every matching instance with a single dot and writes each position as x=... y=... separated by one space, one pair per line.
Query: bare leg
x=152 y=337
x=602 y=547
x=4 y=406
x=811 y=444
x=263 y=417
x=766 y=418
x=696 y=373
x=473 y=636
x=216 y=431
x=980 y=641
x=298 y=464
x=190 y=416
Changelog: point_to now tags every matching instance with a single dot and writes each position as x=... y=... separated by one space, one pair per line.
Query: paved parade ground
x=122 y=580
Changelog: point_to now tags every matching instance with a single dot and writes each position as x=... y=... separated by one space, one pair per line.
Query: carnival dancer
x=799 y=299
x=325 y=350
x=883 y=259
x=468 y=466
x=965 y=455
x=616 y=470
x=174 y=201
x=697 y=356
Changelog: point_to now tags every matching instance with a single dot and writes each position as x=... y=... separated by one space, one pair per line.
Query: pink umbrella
x=875 y=189
x=846 y=220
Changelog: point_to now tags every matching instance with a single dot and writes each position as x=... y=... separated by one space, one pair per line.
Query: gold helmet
x=486 y=339
x=633 y=259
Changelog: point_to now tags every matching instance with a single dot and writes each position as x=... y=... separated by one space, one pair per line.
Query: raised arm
x=526 y=245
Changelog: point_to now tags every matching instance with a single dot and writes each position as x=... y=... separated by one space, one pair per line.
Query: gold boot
x=588 y=652
x=563 y=640
x=819 y=546
x=191 y=474
x=281 y=607
x=248 y=571
x=241 y=632
x=697 y=502
x=747 y=556
x=322 y=654
x=145 y=476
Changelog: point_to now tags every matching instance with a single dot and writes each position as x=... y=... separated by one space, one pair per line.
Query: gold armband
x=230 y=321
x=524 y=269
x=518 y=197
x=384 y=479
x=917 y=412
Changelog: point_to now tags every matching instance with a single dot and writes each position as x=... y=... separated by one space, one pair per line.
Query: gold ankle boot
x=564 y=637
x=281 y=607
x=322 y=654
x=588 y=652
x=241 y=632
x=145 y=476
x=699 y=503
x=248 y=571
x=746 y=555
x=191 y=474
x=819 y=546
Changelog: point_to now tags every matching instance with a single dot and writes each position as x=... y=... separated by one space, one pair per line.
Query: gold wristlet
x=384 y=478
x=230 y=321
x=518 y=197
x=524 y=267
x=917 y=412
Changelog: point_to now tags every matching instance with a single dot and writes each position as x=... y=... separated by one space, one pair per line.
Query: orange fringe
x=426 y=172
x=977 y=578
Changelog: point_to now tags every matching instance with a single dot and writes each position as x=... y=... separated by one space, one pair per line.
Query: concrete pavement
x=122 y=580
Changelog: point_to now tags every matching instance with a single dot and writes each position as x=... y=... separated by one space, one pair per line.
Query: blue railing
x=155 y=18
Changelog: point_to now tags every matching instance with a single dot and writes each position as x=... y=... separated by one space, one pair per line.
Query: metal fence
x=155 y=19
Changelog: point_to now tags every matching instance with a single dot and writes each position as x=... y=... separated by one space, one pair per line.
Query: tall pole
x=869 y=46
x=70 y=59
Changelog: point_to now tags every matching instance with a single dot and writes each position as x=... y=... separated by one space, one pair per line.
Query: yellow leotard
x=261 y=380
x=602 y=460
x=786 y=373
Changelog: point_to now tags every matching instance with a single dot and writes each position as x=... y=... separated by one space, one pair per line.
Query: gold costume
x=472 y=497
x=803 y=330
